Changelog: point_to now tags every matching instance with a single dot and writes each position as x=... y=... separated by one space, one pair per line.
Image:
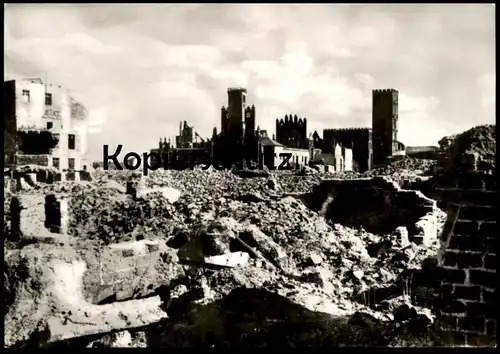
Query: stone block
x=468 y=243
x=488 y=229
x=489 y=295
x=451 y=276
x=454 y=307
x=484 y=213
x=125 y=294
x=427 y=228
x=453 y=338
x=481 y=340
x=230 y=260
x=466 y=228
x=484 y=278
x=472 y=324
x=448 y=323
x=467 y=197
x=124 y=274
x=464 y=292
x=488 y=310
x=463 y=260
x=490 y=262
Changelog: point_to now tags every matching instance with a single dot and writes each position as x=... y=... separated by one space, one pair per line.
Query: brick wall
x=467 y=310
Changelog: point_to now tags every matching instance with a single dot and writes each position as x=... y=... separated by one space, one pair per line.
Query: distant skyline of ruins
x=138 y=77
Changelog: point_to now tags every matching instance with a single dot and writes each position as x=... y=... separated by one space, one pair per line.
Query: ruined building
x=359 y=140
x=237 y=136
x=292 y=132
x=185 y=137
x=385 y=125
x=44 y=125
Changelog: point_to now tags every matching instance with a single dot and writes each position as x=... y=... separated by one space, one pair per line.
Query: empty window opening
x=48 y=99
x=71 y=142
x=27 y=94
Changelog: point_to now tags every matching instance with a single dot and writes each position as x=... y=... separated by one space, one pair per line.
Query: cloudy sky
x=140 y=69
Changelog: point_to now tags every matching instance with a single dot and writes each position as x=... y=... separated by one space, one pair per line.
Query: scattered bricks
x=472 y=324
x=453 y=276
x=453 y=338
x=486 y=213
x=491 y=327
x=484 y=278
x=455 y=306
x=490 y=262
x=466 y=243
x=449 y=323
x=464 y=292
x=480 y=340
x=463 y=260
x=128 y=253
x=488 y=229
x=466 y=227
x=471 y=180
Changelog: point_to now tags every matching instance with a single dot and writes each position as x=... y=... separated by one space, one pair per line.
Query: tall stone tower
x=236 y=104
x=384 y=124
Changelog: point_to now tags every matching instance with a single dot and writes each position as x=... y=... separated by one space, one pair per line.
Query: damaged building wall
x=467 y=312
x=376 y=204
x=39 y=108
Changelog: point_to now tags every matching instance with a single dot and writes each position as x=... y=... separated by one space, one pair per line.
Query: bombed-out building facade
x=44 y=125
x=358 y=149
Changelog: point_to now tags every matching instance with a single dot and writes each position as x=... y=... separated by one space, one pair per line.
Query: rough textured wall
x=377 y=204
x=467 y=286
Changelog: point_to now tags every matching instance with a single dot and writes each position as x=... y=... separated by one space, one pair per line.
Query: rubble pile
x=111 y=216
x=479 y=141
x=256 y=261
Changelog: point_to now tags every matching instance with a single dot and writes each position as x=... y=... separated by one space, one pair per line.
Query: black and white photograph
x=249 y=175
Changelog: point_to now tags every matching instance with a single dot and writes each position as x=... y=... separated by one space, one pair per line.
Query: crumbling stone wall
x=467 y=310
x=377 y=204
